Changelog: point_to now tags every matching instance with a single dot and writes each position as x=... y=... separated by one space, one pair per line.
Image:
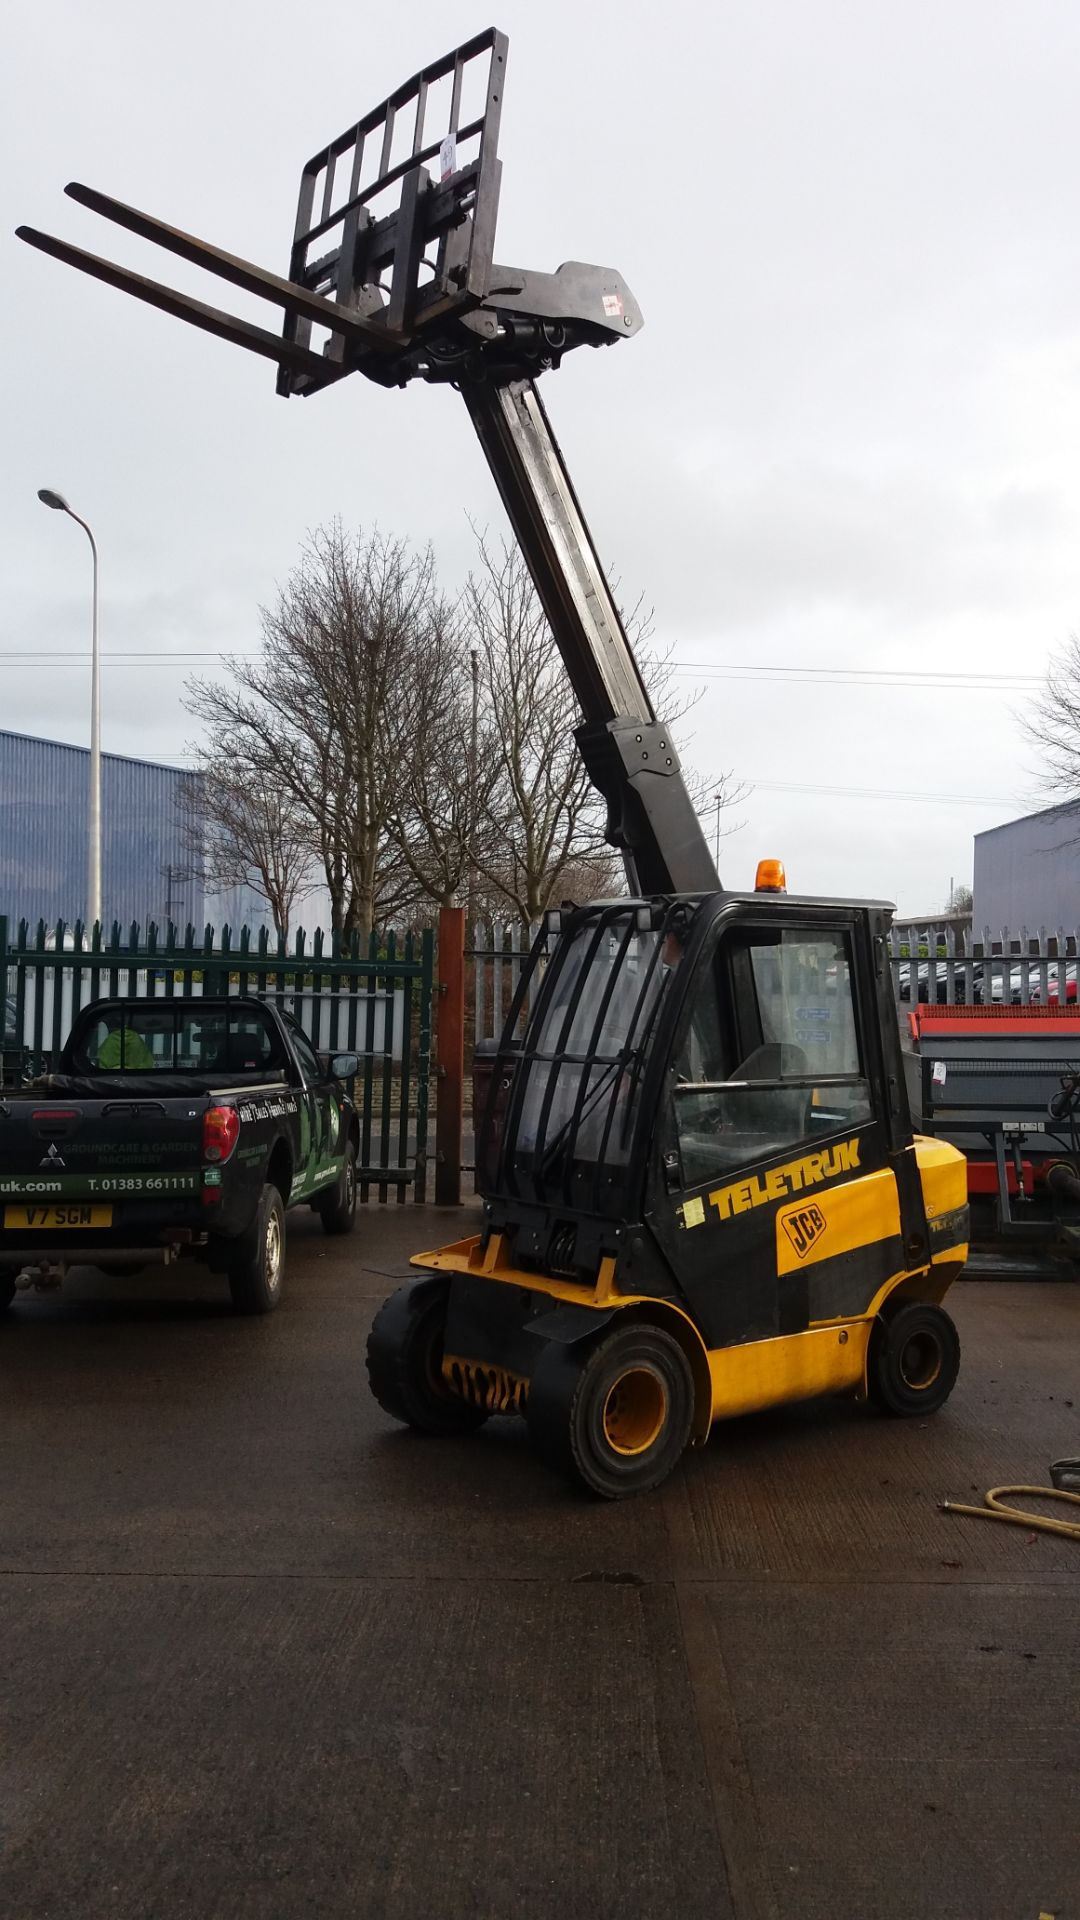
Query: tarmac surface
x=265 y=1654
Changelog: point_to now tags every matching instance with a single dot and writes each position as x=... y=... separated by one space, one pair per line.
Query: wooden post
x=450 y=1057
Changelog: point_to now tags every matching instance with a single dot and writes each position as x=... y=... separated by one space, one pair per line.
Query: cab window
x=305 y=1053
x=769 y=1059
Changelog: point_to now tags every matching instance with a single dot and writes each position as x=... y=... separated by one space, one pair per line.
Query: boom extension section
x=628 y=753
x=411 y=291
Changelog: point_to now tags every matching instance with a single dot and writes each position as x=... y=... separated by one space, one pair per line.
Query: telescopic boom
x=414 y=293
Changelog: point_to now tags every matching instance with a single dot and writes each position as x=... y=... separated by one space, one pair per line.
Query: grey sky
x=845 y=438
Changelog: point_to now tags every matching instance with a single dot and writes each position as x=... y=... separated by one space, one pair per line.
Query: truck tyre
x=615 y=1414
x=337 y=1206
x=7 y=1288
x=257 y=1259
x=913 y=1361
x=404 y=1362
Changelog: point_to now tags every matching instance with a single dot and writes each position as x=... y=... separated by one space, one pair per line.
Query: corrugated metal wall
x=146 y=869
x=1027 y=873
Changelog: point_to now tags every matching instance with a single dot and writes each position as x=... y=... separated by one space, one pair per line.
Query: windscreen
x=179 y=1039
x=579 y=1080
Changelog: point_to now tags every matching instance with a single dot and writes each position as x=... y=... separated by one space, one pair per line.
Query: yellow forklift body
x=828 y=1357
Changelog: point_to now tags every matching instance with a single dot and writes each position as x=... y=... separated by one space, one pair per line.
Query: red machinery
x=1003 y=1084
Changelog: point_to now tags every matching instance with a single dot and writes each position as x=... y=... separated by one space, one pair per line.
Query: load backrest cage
x=446 y=227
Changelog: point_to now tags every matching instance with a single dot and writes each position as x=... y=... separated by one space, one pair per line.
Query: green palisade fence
x=371 y=998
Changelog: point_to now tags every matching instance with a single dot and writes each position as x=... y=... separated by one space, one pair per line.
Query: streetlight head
x=52 y=499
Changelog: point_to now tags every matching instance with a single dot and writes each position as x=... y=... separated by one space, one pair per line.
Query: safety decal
x=693 y=1212
x=613 y=305
x=804 y=1226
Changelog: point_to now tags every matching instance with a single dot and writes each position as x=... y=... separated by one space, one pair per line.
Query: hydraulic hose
x=995 y=1509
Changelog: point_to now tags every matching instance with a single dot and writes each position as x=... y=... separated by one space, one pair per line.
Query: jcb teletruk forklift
x=701 y=1191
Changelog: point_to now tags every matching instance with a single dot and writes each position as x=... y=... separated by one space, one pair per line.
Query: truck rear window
x=178 y=1039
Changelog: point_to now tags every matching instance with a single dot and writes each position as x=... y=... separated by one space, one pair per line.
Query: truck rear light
x=220 y=1132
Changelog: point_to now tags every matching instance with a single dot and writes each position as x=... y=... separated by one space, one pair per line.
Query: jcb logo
x=803 y=1225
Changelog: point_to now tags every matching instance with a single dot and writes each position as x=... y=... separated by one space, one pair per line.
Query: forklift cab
x=694 y=1072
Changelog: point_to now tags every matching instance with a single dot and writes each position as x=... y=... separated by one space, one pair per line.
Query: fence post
x=450 y=1057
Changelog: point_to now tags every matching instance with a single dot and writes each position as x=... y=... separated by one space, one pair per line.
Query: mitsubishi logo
x=52 y=1158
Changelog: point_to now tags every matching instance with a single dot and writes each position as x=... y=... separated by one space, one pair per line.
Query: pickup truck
x=175 y=1129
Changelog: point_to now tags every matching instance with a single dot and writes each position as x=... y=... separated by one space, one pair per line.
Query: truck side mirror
x=345 y=1066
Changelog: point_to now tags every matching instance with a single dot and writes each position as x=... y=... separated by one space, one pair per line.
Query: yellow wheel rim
x=920 y=1361
x=635 y=1411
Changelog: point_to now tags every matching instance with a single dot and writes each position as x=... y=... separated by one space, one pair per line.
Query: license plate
x=79 y=1214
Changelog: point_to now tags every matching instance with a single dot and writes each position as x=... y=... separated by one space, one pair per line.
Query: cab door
x=320 y=1113
x=773 y=1190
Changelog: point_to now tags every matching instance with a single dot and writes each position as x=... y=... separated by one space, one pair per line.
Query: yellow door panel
x=822 y=1225
x=795 y=1366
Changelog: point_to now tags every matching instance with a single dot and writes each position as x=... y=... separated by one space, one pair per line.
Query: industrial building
x=148 y=872
x=1027 y=873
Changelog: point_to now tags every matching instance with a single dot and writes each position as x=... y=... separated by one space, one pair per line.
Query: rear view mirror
x=345 y=1066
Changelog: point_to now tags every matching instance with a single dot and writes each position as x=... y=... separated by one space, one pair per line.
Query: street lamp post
x=474 y=652
x=93 y=888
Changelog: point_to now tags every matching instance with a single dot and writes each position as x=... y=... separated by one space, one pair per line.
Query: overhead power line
x=944 y=681
x=880 y=677
x=146 y=657
x=888 y=793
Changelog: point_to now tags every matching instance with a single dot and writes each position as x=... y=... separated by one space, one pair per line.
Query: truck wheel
x=257 y=1260
x=616 y=1415
x=337 y=1206
x=404 y=1362
x=7 y=1289
x=914 y=1360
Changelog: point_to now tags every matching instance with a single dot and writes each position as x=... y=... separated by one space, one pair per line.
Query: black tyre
x=914 y=1360
x=337 y=1206
x=404 y=1362
x=615 y=1415
x=256 y=1266
x=7 y=1289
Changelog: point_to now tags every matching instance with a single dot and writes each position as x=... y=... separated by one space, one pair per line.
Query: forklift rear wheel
x=914 y=1360
x=404 y=1362
x=615 y=1415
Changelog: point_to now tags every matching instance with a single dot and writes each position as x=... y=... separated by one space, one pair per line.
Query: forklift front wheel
x=404 y=1362
x=913 y=1361
x=615 y=1415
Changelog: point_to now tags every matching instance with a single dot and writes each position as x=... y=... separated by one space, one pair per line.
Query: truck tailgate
x=54 y=1152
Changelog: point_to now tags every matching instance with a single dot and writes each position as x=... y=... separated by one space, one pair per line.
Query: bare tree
x=449 y=770
x=242 y=830
x=363 y=743
x=1052 y=725
x=544 y=822
x=322 y=714
x=541 y=813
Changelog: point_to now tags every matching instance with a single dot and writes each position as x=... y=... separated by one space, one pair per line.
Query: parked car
x=1061 y=981
x=180 y=1128
x=932 y=981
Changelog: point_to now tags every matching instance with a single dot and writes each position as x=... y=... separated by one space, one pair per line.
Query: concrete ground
x=266 y=1655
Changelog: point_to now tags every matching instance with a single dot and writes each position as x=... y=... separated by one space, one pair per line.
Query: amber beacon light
x=770 y=877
